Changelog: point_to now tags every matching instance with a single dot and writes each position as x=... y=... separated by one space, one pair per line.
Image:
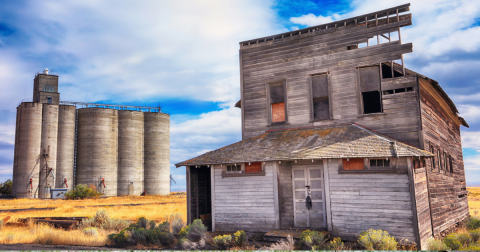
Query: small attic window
x=352 y=47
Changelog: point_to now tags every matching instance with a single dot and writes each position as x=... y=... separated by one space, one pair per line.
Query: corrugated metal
x=336 y=141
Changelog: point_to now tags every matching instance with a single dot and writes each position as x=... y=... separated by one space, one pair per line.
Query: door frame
x=307 y=174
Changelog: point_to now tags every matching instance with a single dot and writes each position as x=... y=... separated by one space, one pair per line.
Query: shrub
x=475 y=234
x=222 y=241
x=164 y=226
x=436 y=245
x=103 y=221
x=165 y=238
x=240 y=238
x=377 y=240
x=336 y=244
x=282 y=245
x=310 y=239
x=114 y=224
x=81 y=192
x=196 y=231
x=151 y=224
x=471 y=248
x=6 y=187
x=464 y=239
x=472 y=223
x=186 y=244
x=176 y=222
x=120 y=239
x=90 y=231
x=142 y=222
x=452 y=242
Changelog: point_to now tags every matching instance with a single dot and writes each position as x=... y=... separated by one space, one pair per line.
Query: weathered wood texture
x=363 y=201
x=441 y=129
x=295 y=59
x=423 y=206
x=245 y=203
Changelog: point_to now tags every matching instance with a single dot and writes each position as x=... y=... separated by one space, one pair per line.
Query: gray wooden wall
x=244 y=203
x=294 y=59
x=363 y=201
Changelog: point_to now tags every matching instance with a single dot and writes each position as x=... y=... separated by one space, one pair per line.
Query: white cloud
x=471 y=139
x=311 y=20
x=471 y=113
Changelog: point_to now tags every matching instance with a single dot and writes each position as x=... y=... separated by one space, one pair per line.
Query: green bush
x=196 y=231
x=475 y=234
x=240 y=238
x=222 y=241
x=120 y=239
x=377 y=240
x=6 y=187
x=151 y=224
x=312 y=239
x=474 y=247
x=177 y=223
x=436 y=245
x=336 y=244
x=465 y=239
x=452 y=242
x=472 y=223
x=164 y=226
x=136 y=234
x=91 y=231
x=81 y=192
x=142 y=222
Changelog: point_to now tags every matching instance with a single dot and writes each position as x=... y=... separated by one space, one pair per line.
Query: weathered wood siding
x=245 y=203
x=294 y=59
x=423 y=206
x=363 y=201
x=441 y=128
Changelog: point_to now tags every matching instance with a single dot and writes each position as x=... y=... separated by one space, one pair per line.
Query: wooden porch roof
x=334 y=141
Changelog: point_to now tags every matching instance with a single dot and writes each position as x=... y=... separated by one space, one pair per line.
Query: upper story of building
x=347 y=71
x=45 y=88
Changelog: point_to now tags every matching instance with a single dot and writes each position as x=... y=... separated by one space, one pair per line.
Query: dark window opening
x=387 y=92
x=49 y=99
x=371 y=102
x=451 y=163
x=321 y=106
x=432 y=150
x=462 y=195
x=352 y=47
x=439 y=160
x=409 y=89
x=387 y=72
x=399 y=90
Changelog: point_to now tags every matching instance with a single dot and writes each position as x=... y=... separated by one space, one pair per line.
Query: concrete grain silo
x=48 y=150
x=97 y=138
x=130 y=152
x=65 y=146
x=27 y=150
x=157 y=153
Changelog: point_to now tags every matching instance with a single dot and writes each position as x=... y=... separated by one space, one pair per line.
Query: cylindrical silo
x=96 y=161
x=27 y=150
x=157 y=153
x=130 y=153
x=65 y=146
x=48 y=150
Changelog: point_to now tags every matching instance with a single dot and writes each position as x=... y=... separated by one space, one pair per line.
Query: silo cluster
x=117 y=150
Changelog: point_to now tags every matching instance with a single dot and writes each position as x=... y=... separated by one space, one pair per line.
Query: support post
x=212 y=183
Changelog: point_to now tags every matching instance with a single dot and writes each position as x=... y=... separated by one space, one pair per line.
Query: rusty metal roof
x=334 y=141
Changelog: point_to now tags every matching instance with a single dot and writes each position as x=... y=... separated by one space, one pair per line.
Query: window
x=432 y=150
x=445 y=163
x=451 y=163
x=353 y=164
x=379 y=163
x=276 y=105
x=48 y=88
x=439 y=160
x=370 y=89
x=253 y=167
x=234 y=168
x=49 y=99
x=387 y=72
x=319 y=95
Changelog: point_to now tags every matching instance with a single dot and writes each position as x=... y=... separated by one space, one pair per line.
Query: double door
x=308 y=181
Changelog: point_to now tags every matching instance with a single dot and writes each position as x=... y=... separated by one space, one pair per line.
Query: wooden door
x=301 y=178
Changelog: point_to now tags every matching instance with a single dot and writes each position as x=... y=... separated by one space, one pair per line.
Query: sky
x=183 y=56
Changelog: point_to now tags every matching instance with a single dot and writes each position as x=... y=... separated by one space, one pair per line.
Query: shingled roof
x=334 y=141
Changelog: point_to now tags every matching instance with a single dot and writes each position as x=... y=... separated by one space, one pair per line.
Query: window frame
x=360 y=104
x=269 y=105
x=380 y=167
x=310 y=93
x=242 y=172
x=366 y=166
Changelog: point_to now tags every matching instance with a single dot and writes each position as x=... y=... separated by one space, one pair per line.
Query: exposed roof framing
x=333 y=141
x=345 y=22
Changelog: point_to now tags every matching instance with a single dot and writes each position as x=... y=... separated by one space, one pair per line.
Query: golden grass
x=474 y=201
x=67 y=208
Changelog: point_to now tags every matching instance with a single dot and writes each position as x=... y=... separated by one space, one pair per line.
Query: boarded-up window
x=277 y=102
x=353 y=164
x=253 y=167
x=321 y=107
x=370 y=88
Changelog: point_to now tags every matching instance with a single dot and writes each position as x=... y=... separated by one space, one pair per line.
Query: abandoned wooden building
x=336 y=135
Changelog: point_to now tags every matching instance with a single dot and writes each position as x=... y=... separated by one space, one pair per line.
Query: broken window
x=388 y=73
x=253 y=167
x=439 y=160
x=370 y=88
x=320 y=99
x=380 y=163
x=277 y=102
x=49 y=99
x=353 y=164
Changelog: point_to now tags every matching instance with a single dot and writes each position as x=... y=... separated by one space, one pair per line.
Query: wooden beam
x=411 y=184
x=212 y=184
x=189 y=197
x=327 y=195
x=275 y=194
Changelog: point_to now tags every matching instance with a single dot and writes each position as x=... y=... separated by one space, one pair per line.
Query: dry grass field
x=474 y=201
x=157 y=208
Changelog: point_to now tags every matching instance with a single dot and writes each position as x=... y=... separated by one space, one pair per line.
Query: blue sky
x=183 y=55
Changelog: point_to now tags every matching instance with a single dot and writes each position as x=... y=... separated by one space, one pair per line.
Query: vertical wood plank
x=327 y=195
x=310 y=94
x=212 y=184
x=242 y=100
x=411 y=184
x=275 y=194
x=189 y=197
